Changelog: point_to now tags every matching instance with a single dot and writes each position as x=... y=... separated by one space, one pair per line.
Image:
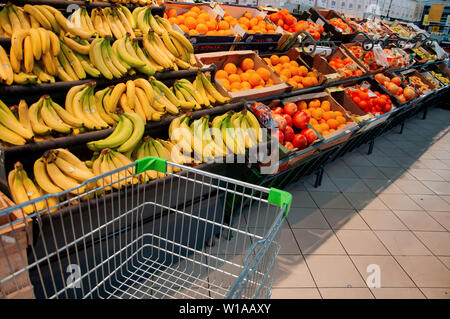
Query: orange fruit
x=171 y=13
x=234 y=78
x=294 y=70
x=293 y=83
x=324 y=133
x=284 y=78
x=332 y=123
x=337 y=113
x=297 y=78
x=307 y=112
x=212 y=25
x=325 y=105
x=284 y=59
x=325 y=127
x=173 y=20
x=314 y=103
x=230 y=68
x=211 y=33
x=313 y=121
x=193 y=32
x=184 y=28
x=307 y=81
x=275 y=59
x=267 y=60
x=239 y=71
x=204 y=16
x=302 y=105
x=286 y=73
x=258 y=87
x=202 y=28
x=247 y=64
x=223 y=25
x=311 y=74
x=270 y=82
x=246 y=85
x=340 y=119
x=302 y=70
x=225 y=83
x=221 y=74
x=332 y=130
x=294 y=63
x=190 y=22
x=236 y=85
x=255 y=79
x=263 y=73
x=317 y=113
x=245 y=76
x=192 y=14
x=248 y=15
x=195 y=9
x=317 y=127
x=253 y=21
x=180 y=19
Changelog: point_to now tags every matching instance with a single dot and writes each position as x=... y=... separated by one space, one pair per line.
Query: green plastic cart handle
x=151 y=163
x=280 y=198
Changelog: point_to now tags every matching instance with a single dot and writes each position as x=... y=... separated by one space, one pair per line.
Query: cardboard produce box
x=237 y=12
x=294 y=55
x=221 y=58
x=320 y=63
x=321 y=17
x=209 y=42
x=405 y=76
x=344 y=132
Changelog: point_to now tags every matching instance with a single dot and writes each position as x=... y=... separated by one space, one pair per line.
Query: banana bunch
x=88 y=108
x=46 y=117
x=126 y=135
x=171 y=51
x=114 y=22
x=162 y=149
x=23 y=189
x=231 y=132
x=140 y=2
x=6 y=71
x=59 y=170
x=200 y=93
x=109 y=160
x=13 y=131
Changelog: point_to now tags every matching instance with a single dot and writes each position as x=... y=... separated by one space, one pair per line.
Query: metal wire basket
x=128 y=237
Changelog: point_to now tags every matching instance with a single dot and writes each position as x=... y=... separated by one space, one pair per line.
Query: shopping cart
x=166 y=238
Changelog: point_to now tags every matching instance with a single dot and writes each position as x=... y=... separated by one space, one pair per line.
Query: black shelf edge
x=46 y=88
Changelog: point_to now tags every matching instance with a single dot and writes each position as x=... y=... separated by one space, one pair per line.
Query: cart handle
x=280 y=198
x=151 y=163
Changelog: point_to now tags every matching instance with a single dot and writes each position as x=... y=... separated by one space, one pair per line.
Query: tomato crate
x=323 y=17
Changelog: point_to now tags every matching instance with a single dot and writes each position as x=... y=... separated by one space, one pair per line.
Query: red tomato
x=363 y=105
x=301 y=120
x=363 y=95
x=288 y=119
x=290 y=108
x=310 y=135
x=300 y=141
x=356 y=99
x=288 y=133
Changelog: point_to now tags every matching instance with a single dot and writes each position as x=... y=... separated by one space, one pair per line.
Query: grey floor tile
x=382 y=220
x=340 y=170
x=445 y=261
x=431 y=203
x=351 y=185
x=440 y=188
x=425 y=271
x=443 y=173
x=399 y=202
x=443 y=218
x=318 y=242
x=412 y=187
x=307 y=218
x=326 y=185
x=397 y=293
x=437 y=242
x=383 y=161
x=382 y=186
x=356 y=159
x=425 y=174
x=369 y=172
x=365 y=201
x=435 y=164
x=361 y=242
x=436 y=293
x=302 y=199
x=402 y=243
x=344 y=219
x=419 y=220
x=291 y=271
x=389 y=271
x=330 y=200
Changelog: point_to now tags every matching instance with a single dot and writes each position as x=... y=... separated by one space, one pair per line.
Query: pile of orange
x=197 y=21
x=251 y=24
x=244 y=76
x=323 y=119
x=291 y=72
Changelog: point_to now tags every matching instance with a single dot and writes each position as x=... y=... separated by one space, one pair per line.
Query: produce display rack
x=292 y=167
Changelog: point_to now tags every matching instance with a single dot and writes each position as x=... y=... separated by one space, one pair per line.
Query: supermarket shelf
x=46 y=88
x=62 y=4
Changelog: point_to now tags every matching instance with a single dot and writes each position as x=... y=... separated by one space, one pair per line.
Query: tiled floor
x=387 y=213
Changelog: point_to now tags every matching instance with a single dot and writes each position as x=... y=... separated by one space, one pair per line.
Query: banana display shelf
x=63 y=4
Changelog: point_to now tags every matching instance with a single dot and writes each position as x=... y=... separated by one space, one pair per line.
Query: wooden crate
x=13 y=253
